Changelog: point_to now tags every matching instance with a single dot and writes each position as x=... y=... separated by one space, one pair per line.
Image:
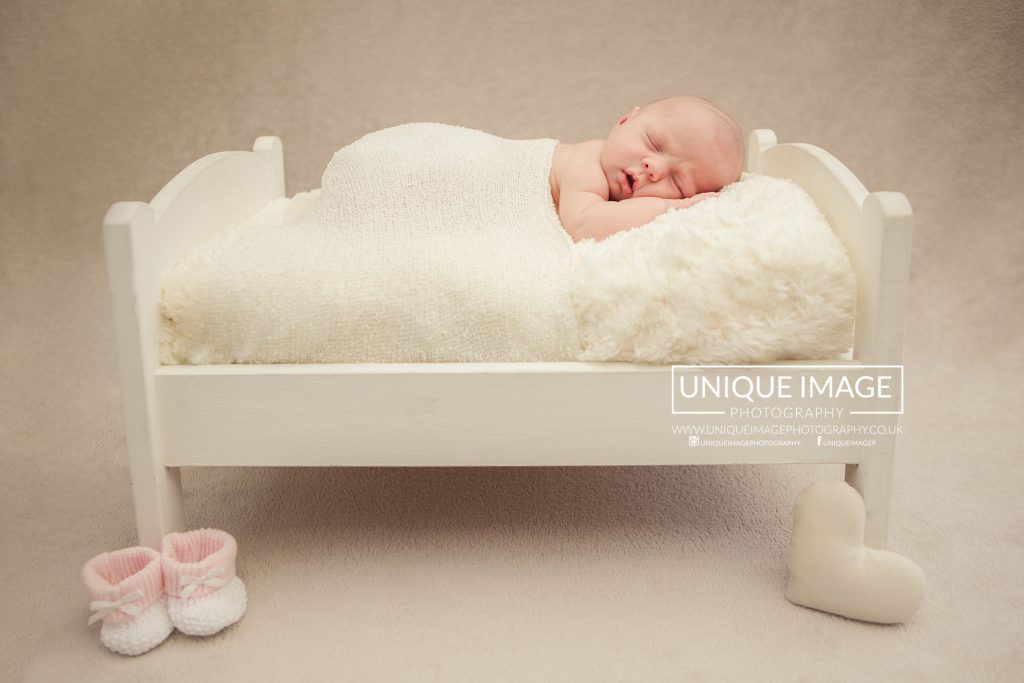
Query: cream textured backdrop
x=512 y=574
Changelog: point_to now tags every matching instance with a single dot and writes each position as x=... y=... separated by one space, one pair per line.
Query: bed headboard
x=875 y=227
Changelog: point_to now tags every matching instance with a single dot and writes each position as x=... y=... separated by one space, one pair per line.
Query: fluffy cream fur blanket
x=752 y=275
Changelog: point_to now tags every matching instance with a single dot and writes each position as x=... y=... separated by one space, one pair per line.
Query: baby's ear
x=629 y=115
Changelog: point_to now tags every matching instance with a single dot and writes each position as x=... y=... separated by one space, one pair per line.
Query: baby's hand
x=689 y=201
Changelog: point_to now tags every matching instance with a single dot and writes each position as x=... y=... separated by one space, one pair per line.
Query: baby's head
x=673 y=148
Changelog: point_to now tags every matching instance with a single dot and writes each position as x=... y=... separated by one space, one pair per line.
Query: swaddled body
x=426 y=243
x=454 y=242
x=671 y=153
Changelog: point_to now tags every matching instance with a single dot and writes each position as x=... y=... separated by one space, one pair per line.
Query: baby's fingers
x=690 y=201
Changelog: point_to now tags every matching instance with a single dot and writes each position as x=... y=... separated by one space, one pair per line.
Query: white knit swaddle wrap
x=427 y=243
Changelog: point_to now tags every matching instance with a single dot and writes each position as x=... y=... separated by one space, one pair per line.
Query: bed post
x=134 y=275
x=758 y=141
x=882 y=303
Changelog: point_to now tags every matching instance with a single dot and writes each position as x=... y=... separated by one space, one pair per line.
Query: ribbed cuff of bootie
x=197 y=563
x=126 y=588
x=203 y=593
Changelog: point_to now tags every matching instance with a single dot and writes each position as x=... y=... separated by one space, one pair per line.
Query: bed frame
x=448 y=414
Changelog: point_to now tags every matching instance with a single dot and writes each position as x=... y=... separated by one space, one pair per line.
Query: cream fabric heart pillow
x=830 y=568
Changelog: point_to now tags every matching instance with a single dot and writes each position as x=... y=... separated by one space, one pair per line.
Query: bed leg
x=880 y=252
x=133 y=268
x=159 y=504
x=872 y=477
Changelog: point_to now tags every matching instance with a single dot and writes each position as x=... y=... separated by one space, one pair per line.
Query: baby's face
x=673 y=150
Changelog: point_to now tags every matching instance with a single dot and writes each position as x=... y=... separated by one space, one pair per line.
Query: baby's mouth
x=629 y=181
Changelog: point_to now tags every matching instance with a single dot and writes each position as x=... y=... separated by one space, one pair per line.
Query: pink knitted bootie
x=127 y=592
x=203 y=593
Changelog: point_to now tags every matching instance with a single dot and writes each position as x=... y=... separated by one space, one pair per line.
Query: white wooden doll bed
x=448 y=414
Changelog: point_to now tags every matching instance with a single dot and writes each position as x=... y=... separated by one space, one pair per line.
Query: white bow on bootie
x=102 y=608
x=191 y=583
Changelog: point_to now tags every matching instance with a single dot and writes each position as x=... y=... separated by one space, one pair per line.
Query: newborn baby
x=671 y=153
